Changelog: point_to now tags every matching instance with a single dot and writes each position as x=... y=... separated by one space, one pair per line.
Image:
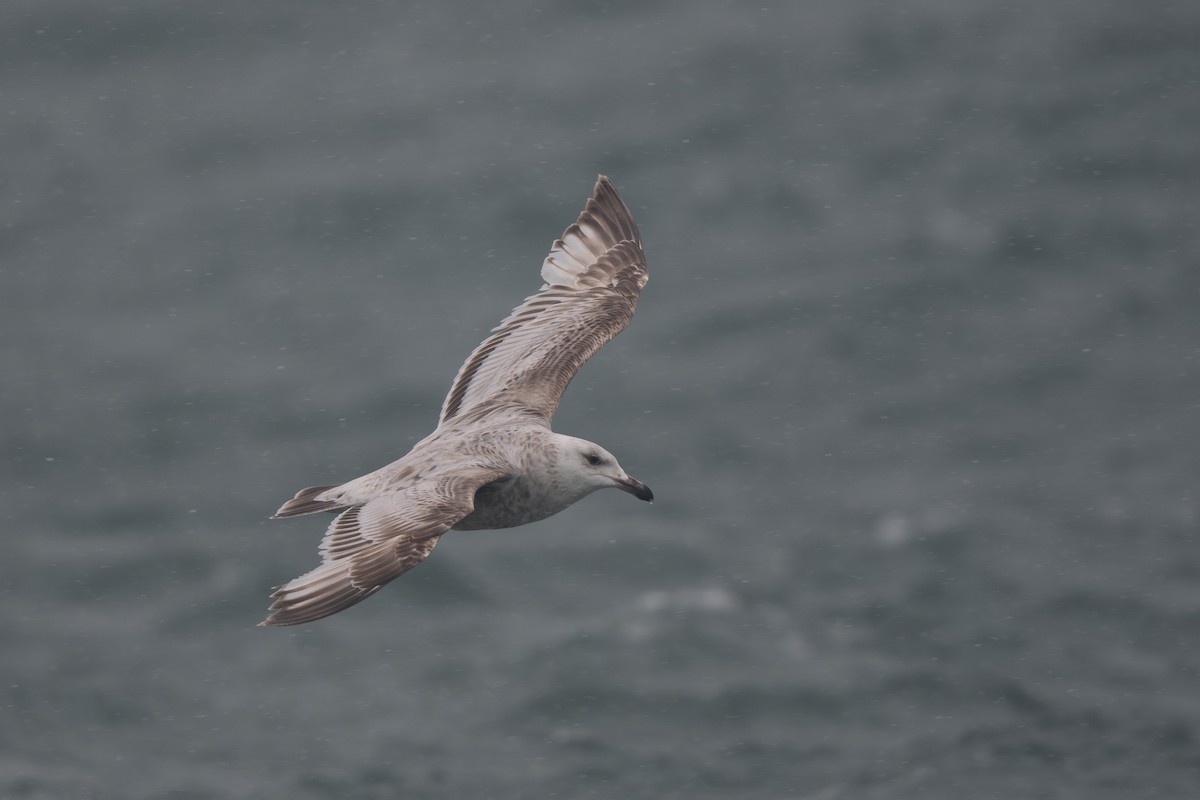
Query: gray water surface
x=916 y=382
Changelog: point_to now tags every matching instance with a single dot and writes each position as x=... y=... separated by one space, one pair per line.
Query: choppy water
x=915 y=381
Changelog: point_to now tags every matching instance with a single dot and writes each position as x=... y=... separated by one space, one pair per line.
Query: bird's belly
x=507 y=504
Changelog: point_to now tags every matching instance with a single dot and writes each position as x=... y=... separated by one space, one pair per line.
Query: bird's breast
x=510 y=502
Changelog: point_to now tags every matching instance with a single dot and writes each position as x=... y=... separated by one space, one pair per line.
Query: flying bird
x=492 y=462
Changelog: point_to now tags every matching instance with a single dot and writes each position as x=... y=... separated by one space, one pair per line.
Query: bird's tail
x=305 y=502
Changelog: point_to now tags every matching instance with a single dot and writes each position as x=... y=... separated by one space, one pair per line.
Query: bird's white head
x=591 y=467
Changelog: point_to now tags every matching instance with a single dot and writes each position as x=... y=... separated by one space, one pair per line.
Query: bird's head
x=589 y=465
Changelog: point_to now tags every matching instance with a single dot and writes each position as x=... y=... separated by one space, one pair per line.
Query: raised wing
x=593 y=275
x=371 y=544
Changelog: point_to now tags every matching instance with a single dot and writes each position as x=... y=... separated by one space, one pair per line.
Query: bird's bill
x=636 y=488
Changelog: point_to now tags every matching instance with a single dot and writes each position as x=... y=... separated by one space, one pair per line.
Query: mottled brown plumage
x=493 y=461
x=593 y=276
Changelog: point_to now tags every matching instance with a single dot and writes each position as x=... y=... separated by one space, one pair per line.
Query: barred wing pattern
x=371 y=544
x=593 y=276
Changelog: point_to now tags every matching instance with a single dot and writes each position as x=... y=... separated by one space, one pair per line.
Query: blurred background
x=915 y=382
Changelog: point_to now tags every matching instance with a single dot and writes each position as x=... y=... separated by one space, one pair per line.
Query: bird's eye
x=593 y=458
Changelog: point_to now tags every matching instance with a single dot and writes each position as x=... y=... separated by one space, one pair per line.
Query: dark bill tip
x=636 y=488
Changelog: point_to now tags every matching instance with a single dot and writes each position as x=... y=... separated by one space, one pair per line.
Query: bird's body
x=493 y=461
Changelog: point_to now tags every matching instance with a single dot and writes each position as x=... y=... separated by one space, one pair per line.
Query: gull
x=492 y=462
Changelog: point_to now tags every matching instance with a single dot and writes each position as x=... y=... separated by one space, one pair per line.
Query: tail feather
x=305 y=502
